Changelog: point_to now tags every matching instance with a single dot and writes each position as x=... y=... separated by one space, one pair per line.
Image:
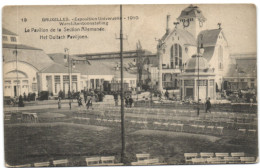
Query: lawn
x=29 y=143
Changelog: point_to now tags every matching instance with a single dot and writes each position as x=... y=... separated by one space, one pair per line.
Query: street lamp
x=69 y=61
x=199 y=54
x=15 y=52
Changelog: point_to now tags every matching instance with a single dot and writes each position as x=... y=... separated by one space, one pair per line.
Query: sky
x=238 y=23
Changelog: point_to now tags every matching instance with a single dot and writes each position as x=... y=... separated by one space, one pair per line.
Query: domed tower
x=192 y=20
x=198 y=79
x=194 y=64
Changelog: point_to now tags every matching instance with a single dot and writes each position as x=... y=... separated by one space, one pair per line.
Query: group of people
x=88 y=102
x=129 y=101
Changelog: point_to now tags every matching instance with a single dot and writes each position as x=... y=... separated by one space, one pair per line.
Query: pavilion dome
x=193 y=63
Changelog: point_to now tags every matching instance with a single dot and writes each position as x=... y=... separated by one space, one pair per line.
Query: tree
x=140 y=62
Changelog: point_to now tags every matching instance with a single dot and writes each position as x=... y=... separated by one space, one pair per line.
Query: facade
x=242 y=73
x=183 y=41
x=21 y=64
x=29 y=70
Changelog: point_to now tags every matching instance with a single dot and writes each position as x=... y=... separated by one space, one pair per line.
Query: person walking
x=116 y=98
x=89 y=103
x=126 y=102
x=208 y=105
x=59 y=103
x=131 y=101
x=20 y=102
x=79 y=101
x=70 y=103
x=166 y=95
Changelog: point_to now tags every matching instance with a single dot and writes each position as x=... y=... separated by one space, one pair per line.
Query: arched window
x=220 y=57
x=178 y=55
x=171 y=56
x=175 y=56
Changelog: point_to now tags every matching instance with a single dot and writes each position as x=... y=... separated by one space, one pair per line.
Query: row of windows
x=5 y=38
x=183 y=20
x=65 y=78
x=23 y=86
x=9 y=82
x=242 y=80
x=200 y=82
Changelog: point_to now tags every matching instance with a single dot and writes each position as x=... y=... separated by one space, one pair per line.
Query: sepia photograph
x=129 y=85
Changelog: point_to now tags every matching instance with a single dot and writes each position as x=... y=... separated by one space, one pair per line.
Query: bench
x=215 y=160
x=93 y=161
x=141 y=157
x=147 y=162
x=151 y=161
x=220 y=130
x=242 y=130
x=198 y=160
x=237 y=154
x=63 y=162
x=42 y=164
x=211 y=127
x=232 y=159
x=189 y=156
x=108 y=159
x=252 y=131
x=248 y=159
x=206 y=155
x=181 y=127
x=221 y=155
x=25 y=165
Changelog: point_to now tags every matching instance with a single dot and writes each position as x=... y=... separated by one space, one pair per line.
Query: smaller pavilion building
x=198 y=80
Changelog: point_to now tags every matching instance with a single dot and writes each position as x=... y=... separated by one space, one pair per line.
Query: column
x=53 y=84
x=195 y=90
x=207 y=94
x=61 y=83
x=183 y=89
x=160 y=86
x=214 y=89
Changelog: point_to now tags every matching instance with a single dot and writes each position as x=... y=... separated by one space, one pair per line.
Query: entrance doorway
x=189 y=93
x=15 y=91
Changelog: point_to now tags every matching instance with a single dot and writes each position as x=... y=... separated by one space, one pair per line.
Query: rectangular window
x=66 y=78
x=74 y=78
x=25 y=82
x=34 y=87
x=202 y=82
x=188 y=82
x=8 y=82
x=57 y=83
x=211 y=82
x=13 y=39
x=57 y=78
x=16 y=81
x=5 y=38
x=252 y=80
x=252 y=85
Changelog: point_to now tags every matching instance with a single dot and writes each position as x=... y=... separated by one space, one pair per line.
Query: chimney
x=167 y=23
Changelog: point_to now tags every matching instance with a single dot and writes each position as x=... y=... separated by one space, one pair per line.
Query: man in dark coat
x=126 y=102
x=208 y=105
x=131 y=101
x=20 y=103
x=89 y=103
